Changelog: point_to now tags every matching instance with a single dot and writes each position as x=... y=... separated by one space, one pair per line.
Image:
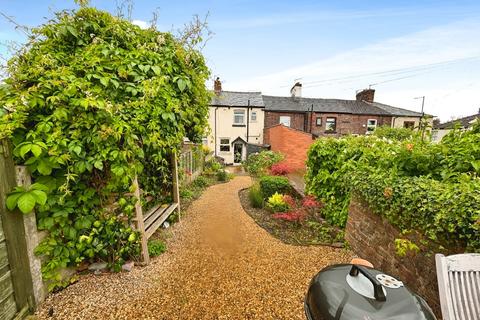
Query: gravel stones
x=219 y=265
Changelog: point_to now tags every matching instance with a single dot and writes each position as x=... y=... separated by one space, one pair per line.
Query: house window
x=285 y=120
x=238 y=116
x=225 y=144
x=371 y=125
x=409 y=124
x=331 y=125
x=318 y=121
x=253 y=116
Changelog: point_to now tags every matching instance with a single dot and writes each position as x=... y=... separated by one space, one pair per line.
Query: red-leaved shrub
x=280 y=169
x=292 y=216
x=310 y=202
x=288 y=199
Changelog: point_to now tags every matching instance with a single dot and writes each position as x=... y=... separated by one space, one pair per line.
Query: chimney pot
x=296 y=90
x=217 y=86
x=366 y=95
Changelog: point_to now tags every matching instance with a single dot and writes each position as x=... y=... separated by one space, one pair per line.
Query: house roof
x=238 y=99
x=464 y=122
x=290 y=104
x=397 y=111
x=274 y=103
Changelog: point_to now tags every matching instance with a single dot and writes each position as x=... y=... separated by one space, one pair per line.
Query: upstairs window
x=331 y=125
x=285 y=120
x=371 y=125
x=239 y=117
x=318 y=121
x=224 y=144
x=253 y=116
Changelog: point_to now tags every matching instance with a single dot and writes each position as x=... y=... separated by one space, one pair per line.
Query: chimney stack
x=217 y=86
x=366 y=95
x=296 y=90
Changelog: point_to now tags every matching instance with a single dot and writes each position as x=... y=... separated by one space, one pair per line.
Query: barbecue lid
x=349 y=291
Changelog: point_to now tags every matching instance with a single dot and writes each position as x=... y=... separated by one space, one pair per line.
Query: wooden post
x=176 y=190
x=140 y=224
x=15 y=235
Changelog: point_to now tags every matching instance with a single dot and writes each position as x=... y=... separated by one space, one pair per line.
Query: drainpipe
x=216 y=108
x=311 y=118
x=248 y=118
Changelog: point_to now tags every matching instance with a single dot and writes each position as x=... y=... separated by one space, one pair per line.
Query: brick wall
x=297 y=120
x=372 y=237
x=292 y=143
x=346 y=123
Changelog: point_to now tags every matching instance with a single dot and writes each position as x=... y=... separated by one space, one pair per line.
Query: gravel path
x=219 y=265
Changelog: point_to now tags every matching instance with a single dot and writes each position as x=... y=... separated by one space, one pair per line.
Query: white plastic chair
x=459 y=286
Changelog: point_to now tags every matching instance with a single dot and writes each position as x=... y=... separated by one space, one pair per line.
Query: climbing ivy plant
x=94 y=100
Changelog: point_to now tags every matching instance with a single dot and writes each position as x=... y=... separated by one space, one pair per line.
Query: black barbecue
x=347 y=292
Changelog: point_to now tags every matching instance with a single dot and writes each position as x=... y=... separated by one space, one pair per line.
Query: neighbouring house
x=336 y=117
x=236 y=121
x=464 y=123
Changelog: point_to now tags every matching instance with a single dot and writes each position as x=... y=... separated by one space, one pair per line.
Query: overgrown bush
x=258 y=164
x=432 y=188
x=255 y=196
x=395 y=133
x=201 y=182
x=269 y=185
x=95 y=101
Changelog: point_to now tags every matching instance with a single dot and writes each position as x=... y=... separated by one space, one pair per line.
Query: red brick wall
x=347 y=123
x=372 y=237
x=292 y=143
x=297 y=120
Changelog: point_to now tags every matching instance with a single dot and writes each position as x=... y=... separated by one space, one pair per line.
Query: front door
x=237 y=152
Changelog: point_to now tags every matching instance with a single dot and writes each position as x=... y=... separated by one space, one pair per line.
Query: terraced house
x=244 y=122
x=335 y=117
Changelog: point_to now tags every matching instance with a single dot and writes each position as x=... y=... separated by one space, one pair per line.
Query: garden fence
x=191 y=163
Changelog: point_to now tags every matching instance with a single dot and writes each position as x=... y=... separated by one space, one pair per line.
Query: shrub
x=255 y=196
x=289 y=200
x=292 y=216
x=201 y=182
x=156 y=247
x=212 y=166
x=276 y=203
x=280 y=169
x=395 y=133
x=310 y=202
x=223 y=176
x=259 y=163
x=270 y=185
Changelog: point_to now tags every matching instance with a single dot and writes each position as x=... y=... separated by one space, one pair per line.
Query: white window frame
x=317 y=122
x=285 y=120
x=224 y=144
x=239 y=112
x=370 y=126
x=327 y=122
x=253 y=116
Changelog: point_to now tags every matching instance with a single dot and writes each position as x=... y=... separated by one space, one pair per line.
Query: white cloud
x=142 y=24
x=450 y=89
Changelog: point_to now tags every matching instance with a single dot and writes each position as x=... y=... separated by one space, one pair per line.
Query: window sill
x=239 y=125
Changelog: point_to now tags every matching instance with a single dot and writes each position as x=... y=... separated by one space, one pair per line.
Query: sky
x=404 y=49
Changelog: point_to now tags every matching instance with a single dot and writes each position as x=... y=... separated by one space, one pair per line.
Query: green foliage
x=96 y=100
x=403 y=246
x=223 y=176
x=255 y=196
x=269 y=185
x=416 y=185
x=201 y=182
x=26 y=199
x=258 y=164
x=395 y=133
x=276 y=203
x=156 y=247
